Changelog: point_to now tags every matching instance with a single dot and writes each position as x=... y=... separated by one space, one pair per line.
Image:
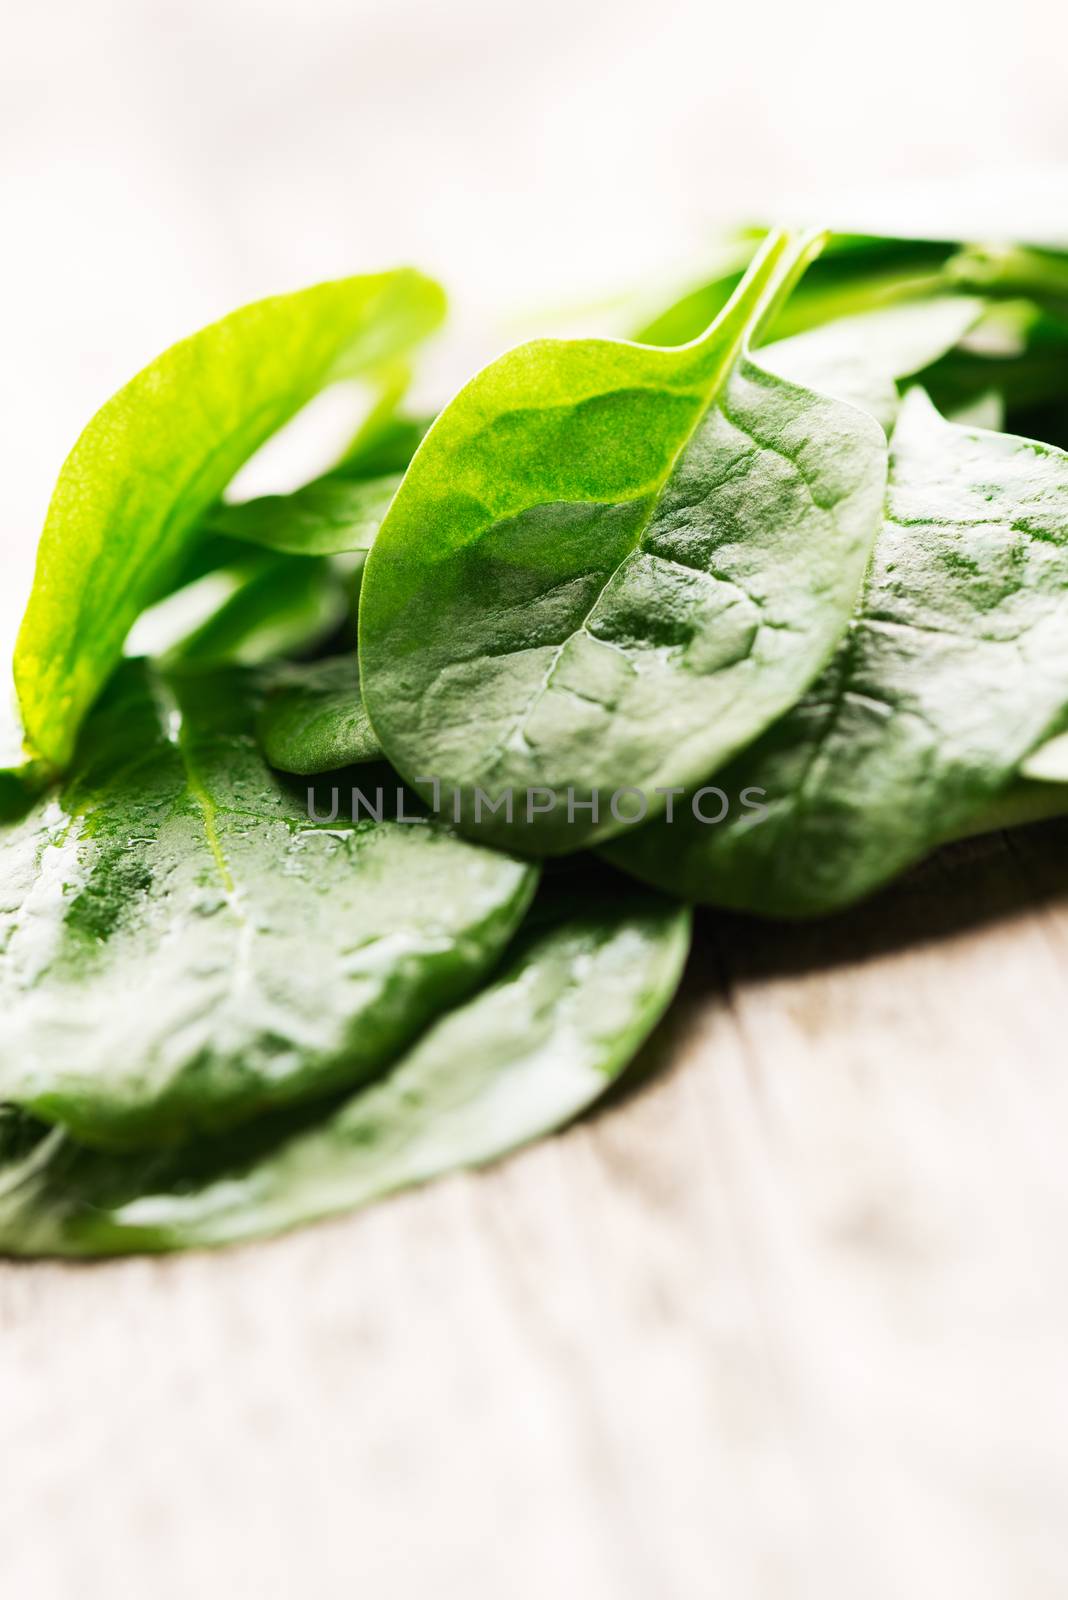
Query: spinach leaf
x=579 y=993
x=862 y=358
x=137 y=483
x=256 y=608
x=387 y=447
x=313 y=718
x=328 y=516
x=182 y=946
x=225 y=604
x=611 y=566
x=954 y=669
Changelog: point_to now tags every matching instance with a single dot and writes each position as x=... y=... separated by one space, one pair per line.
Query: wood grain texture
x=788 y=1317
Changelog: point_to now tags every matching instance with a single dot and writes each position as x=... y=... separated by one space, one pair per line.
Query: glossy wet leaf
x=610 y=565
x=579 y=992
x=183 y=947
x=954 y=669
x=313 y=718
x=137 y=483
x=329 y=516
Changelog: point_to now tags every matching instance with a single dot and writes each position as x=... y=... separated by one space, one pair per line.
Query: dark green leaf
x=182 y=947
x=955 y=668
x=313 y=718
x=579 y=993
x=610 y=566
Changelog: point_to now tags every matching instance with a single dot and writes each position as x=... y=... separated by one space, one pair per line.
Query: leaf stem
x=771 y=276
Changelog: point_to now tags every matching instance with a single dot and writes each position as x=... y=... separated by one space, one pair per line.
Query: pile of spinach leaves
x=785 y=571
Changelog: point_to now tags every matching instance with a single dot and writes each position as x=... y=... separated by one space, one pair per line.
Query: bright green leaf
x=386 y=447
x=328 y=516
x=137 y=483
x=611 y=566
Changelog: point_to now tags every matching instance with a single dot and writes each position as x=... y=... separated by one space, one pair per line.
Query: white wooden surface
x=789 y=1319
